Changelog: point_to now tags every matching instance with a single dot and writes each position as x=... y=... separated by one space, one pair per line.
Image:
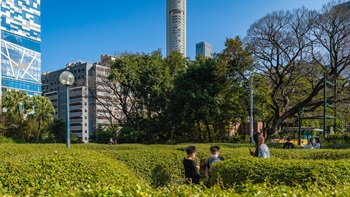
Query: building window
x=85 y=131
x=85 y=117
x=85 y=138
x=86 y=124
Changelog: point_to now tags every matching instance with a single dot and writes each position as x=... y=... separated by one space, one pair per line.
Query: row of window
x=21 y=85
x=21 y=41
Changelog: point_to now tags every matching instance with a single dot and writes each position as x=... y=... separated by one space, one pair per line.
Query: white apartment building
x=176 y=26
x=91 y=101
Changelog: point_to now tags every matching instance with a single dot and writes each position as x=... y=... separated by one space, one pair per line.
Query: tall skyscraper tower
x=205 y=49
x=20 y=58
x=176 y=26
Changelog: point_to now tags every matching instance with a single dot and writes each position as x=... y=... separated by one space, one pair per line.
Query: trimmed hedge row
x=39 y=170
x=128 y=170
x=277 y=171
x=157 y=167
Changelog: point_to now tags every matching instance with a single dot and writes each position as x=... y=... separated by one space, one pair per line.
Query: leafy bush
x=5 y=140
x=55 y=171
x=278 y=171
x=131 y=170
x=159 y=167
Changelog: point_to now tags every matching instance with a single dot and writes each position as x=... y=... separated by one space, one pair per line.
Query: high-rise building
x=91 y=101
x=20 y=46
x=176 y=26
x=205 y=49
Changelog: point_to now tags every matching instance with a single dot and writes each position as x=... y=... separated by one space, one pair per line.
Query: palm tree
x=43 y=112
x=16 y=103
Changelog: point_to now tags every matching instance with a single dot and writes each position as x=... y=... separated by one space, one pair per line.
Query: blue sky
x=82 y=30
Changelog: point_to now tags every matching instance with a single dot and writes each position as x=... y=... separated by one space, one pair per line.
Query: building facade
x=205 y=49
x=20 y=46
x=91 y=101
x=176 y=26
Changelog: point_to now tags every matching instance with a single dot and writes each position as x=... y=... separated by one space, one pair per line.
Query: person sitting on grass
x=191 y=168
x=318 y=143
x=214 y=158
x=261 y=149
x=311 y=144
x=288 y=144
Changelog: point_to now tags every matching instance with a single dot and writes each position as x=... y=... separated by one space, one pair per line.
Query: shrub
x=56 y=171
x=5 y=140
x=278 y=171
x=158 y=168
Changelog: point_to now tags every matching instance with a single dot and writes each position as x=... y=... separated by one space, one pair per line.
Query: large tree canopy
x=295 y=50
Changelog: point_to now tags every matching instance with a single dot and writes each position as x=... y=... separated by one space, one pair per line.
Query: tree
x=16 y=103
x=211 y=94
x=141 y=84
x=24 y=115
x=57 y=128
x=294 y=49
x=43 y=113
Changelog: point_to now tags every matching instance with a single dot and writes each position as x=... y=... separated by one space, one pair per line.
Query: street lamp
x=67 y=79
x=251 y=119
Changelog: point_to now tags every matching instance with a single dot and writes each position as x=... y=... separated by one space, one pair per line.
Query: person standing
x=191 y=168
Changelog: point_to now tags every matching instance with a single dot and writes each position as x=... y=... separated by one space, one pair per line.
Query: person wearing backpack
x=214 y=158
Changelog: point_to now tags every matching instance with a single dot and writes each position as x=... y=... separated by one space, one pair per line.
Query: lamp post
x=67 y=79
x=251 y=121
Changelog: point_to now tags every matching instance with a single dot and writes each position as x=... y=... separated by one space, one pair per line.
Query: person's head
x=258 y=138
x=191 y=151
x=313 y=140
x=317 y=140
x=288 y=139
x=215 y=150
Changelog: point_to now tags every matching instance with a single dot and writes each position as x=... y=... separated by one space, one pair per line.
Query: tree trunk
x=208 y=131
x=38 y=135
x=199 y=129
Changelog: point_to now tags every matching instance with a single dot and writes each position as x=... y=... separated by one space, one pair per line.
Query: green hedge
x=131 y=170
x=38 y=170
x=157 y=167
x=278 y=171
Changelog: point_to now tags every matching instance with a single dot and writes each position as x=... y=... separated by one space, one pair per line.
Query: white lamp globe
x=67 y=78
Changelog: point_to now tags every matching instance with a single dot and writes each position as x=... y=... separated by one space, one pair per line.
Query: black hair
x=288 y=138
x=190 y=150
x=255 y=137
x=214 y=149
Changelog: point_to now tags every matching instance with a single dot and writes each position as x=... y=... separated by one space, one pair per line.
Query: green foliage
x=279 y=171
x=159 y=168
x=145 y=82
x=338 y=138
x=156 y=170
x=25 y=117
x=55 y=171
x=103 y=136
x=5 y=140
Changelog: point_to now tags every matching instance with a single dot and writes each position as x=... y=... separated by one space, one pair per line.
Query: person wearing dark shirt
x=191 y=168
x=288 y=144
